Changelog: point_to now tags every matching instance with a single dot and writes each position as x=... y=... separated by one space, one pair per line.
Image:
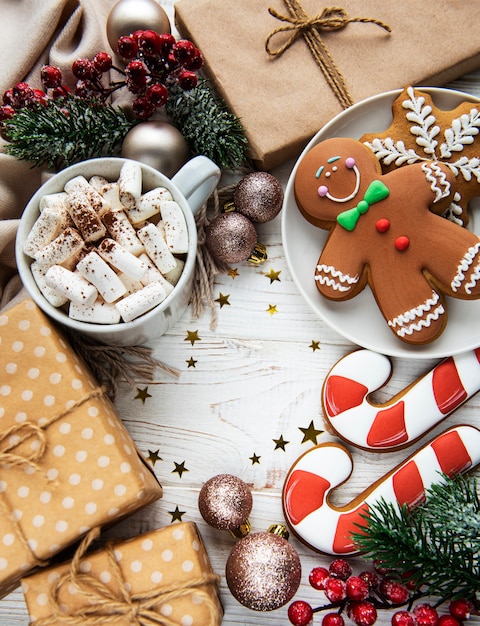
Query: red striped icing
x=342 y=394
x=304 y=493
x=347 y=523
x=451 y=453
x=388 y=428
x=408 y=485
x=447 y=386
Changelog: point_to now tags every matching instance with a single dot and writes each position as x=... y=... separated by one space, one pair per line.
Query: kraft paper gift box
x=67 y=462
x=282 y=101
x=161 y=577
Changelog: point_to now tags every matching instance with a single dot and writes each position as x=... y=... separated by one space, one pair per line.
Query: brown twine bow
x=13 y=438
x=331 y=19
x=139 y=609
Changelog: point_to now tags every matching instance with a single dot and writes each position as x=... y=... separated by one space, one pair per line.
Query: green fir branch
x=65 y=131
x=436 y=544
x=208 y=127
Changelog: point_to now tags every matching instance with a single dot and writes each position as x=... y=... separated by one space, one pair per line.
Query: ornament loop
x=299 y=23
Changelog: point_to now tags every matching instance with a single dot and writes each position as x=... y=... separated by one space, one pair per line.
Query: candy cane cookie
x=310 y=481
x=409 y=414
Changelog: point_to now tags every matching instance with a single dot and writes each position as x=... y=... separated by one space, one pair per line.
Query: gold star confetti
x=153 y=456
x=177 y=514
x=280 y=443
x=233 y=272
x=273 y=275
x=255 y=459
x=222 y=299
x=142 y=394
x=180 y=468
x=310 y=433
x=272 y=309
x=315 y=345
x=191 y=362
x=192 y=336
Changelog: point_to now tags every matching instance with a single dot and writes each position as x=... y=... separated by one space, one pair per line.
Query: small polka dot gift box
x=67 y=463
x=161 y=577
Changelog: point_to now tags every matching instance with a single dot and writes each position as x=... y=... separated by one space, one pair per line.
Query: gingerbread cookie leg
x=309 y=483
x=406 y=417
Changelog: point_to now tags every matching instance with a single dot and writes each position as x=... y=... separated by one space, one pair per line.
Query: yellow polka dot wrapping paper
x=166 y=571
x=67 y=462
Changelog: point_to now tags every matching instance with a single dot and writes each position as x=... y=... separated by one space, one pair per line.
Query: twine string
x=101 y=602
x=19 y=434
x=300 y=23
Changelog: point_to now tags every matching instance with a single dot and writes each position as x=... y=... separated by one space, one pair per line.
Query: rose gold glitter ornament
x=225 y=502
x=263 y=571
x=231 y=237
x=258 y=196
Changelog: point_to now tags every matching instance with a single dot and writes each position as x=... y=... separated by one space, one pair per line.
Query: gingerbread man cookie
x=420 y=131
x=383 y=233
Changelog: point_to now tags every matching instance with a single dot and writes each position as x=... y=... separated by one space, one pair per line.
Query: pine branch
x=66 y=131
x=207 y=125
x=436 y=544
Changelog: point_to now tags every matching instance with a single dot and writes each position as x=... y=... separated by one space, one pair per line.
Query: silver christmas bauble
x=127 y=16
x=158 y=144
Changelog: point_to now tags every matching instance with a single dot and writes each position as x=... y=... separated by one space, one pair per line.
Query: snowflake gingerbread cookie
x=383 y=233
x=420 y=132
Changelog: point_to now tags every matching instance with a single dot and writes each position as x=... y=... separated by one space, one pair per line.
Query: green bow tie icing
x=376 y=191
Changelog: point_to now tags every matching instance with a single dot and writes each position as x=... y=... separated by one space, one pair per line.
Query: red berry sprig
x=361 y=596
x=154 y=63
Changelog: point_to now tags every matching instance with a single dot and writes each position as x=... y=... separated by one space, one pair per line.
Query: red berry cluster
x=154 y=62
x=361 y=596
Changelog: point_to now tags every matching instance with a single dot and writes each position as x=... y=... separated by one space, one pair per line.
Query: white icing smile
x=323 y=189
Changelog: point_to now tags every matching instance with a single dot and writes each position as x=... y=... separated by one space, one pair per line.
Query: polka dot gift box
x=161 y=577
x=67 y=463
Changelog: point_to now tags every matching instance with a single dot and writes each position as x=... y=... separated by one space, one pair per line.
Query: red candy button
x=402 y=243
x=382 y=225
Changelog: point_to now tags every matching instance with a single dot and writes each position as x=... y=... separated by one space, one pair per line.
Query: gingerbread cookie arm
x=310 y=482
x=338 y=277
x=349 y=410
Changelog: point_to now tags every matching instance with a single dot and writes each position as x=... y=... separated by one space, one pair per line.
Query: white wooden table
x=253 y=379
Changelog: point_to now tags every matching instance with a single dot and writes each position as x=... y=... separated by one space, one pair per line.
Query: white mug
x=190 y=187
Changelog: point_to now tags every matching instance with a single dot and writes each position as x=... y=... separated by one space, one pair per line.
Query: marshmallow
x=152 y=274
x=122 y=231
x=71 y=284
x=130 y=183
x=55 y=298
x=123 y=260
x=79 y=184
x=111 y=193
x=63 y=250
x=100 y=312
x=54 y=201
x=148 y=205
x=46 y=227
x=176 y=233
x=94 y=269
x=174 y=275
x=130 y=285
x=141 y=301
x=156 y=248
x=84 y=216
x=99 y=183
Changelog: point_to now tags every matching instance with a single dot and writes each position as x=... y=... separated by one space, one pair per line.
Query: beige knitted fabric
x=32 y=33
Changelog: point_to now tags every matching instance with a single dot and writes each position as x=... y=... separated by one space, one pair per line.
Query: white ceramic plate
x=359 y=319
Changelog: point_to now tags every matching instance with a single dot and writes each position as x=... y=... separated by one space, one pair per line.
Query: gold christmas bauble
x=157 y=144
x=127 y=16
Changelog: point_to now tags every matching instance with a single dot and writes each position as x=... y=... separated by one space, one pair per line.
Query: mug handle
x=196 y=180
